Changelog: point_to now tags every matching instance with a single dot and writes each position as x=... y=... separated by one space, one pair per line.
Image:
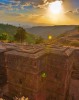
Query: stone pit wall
x=3 y=74
x=74 y=83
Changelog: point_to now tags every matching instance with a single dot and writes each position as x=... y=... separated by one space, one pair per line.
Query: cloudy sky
x=39 y=12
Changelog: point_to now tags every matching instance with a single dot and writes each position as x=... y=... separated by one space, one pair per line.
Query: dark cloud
x=13 y=14
x=23 y=3
x=35 y=2
x=1 y=4
x=75 y=11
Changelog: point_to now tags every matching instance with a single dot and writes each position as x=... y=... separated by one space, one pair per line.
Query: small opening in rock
x=20 y=81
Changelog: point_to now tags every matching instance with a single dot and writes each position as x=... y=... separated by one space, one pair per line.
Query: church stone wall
x=22 y=74
x=39 y=75
x=58 y=79
x=47 y=76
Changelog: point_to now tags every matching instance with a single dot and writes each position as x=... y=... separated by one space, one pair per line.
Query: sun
x=56 y=7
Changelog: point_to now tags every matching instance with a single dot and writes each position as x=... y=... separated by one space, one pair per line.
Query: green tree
x=11 y=38
x=74 y=43
x=3 y=36
x=77 y=27
x=39 y=40
x=20 y=35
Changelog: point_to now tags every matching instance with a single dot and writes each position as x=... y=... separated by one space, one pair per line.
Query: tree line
x=21 y=36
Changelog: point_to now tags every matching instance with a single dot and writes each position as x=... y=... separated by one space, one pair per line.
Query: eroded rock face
x=39 y=74
x=74 y=84
x=3 y=73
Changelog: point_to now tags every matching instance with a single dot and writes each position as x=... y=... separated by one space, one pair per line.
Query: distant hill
x=66 y=34
x=10 y=29
x=44 y=31
x=70 y=38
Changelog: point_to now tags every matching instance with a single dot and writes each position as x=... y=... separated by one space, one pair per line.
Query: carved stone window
x=20 y=81
x=58 y=76
x=50 y=97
